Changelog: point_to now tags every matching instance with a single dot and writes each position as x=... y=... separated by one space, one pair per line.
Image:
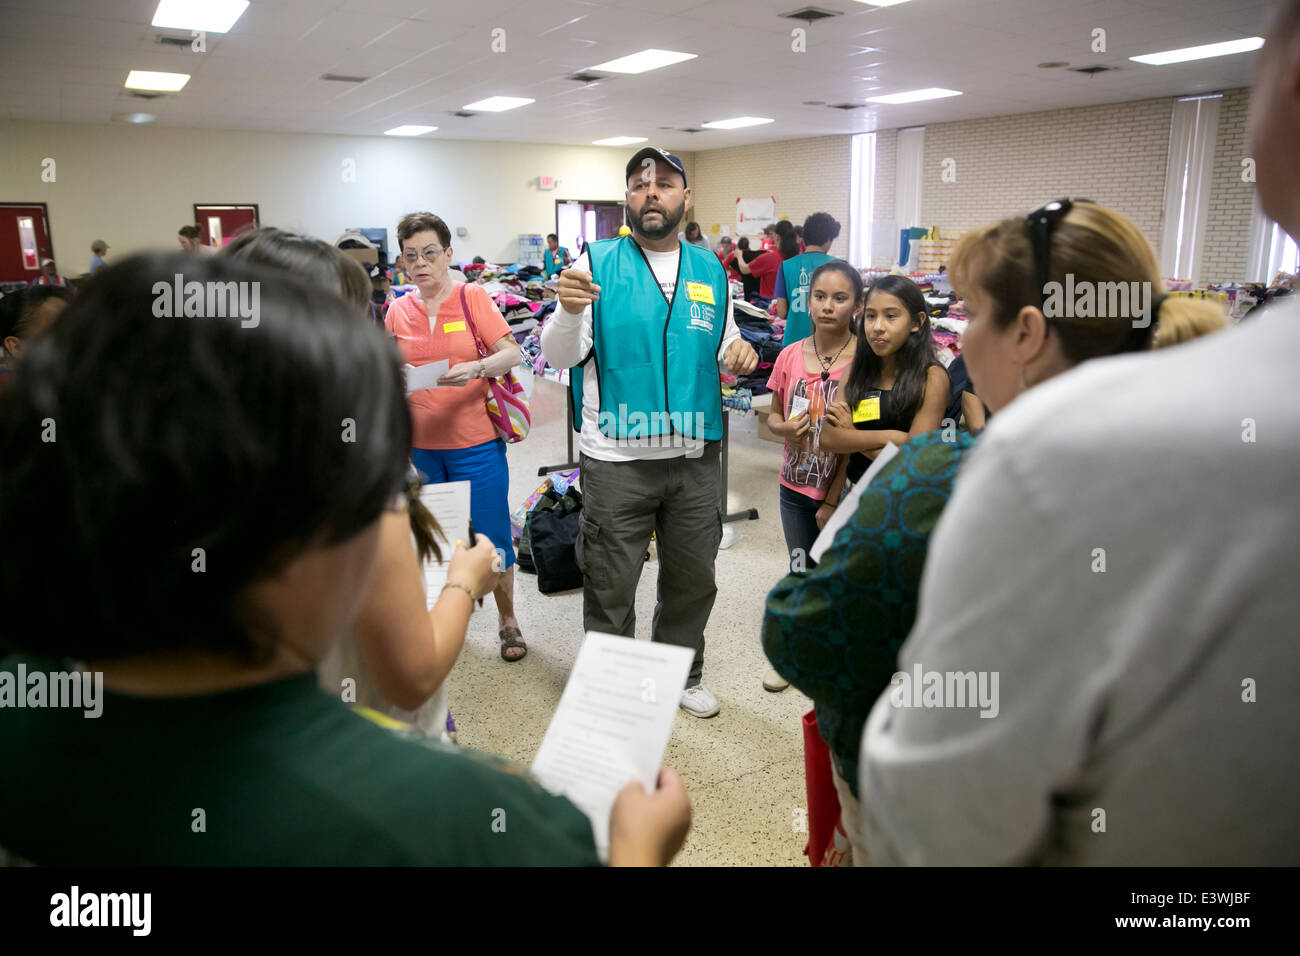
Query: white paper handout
x=798 y=405
x=612 y=724
x=849 y=505
x=448 y=502
x=420 y=377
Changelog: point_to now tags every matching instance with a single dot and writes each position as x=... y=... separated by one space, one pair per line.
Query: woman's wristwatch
x=482 y=369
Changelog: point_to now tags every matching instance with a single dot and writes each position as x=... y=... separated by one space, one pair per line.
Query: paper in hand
x=798 y=405
x=448 y=502
x=849 y=505
x=612 y=724
x=420 y=377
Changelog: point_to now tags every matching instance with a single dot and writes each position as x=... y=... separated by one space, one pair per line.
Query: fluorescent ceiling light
x=881 y=3
x=498 y=104
x=618 y=141
x=162 y=82
x=409 y=130
x=736 y=123
x=914 y=96
x=1226 y=48
x=212 y=16
x=643 y=61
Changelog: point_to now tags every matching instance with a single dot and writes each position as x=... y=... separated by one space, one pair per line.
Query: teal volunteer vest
x=553 y=262
x=656 y=362
x=797 y=273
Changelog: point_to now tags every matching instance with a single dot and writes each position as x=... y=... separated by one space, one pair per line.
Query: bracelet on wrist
x=456 y=584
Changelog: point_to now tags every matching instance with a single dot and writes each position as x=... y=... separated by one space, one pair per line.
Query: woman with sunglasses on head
x=849 y=616
x=455 y=440
x=896 y=388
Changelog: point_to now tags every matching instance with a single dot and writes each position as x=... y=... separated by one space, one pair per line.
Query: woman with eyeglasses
x=454 y=440
x=836 y=631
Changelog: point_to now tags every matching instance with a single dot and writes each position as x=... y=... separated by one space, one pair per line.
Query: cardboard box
x=766 y=433
x=367 y=257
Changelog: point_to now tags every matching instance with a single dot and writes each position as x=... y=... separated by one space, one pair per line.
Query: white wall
x=134 y=186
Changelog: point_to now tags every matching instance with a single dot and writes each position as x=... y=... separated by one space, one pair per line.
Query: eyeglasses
x=411 y=258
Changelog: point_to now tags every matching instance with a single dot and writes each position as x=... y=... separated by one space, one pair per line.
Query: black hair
x=743 y=243
x=693 y=225
x=312 y=260
x=330 y=268
x=252 y=442
x=820 y=228
x=551 y=235
x=852 y=274
x=189 y=232
x=787 y=242
x=914 y=358
x=19 y=309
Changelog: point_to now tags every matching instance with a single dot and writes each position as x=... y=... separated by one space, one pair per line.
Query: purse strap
x=464 y=308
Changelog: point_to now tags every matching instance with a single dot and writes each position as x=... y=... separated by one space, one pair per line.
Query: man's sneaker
x=774 y=682
x=698 y=702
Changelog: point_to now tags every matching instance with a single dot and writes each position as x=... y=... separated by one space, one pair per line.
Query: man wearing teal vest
x=555 y=257
x=645 y=323
x=819 y=231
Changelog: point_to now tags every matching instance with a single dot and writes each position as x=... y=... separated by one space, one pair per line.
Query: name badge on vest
x=868 y=409
x=700 y=292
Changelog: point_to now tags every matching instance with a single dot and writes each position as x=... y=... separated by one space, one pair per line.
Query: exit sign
x=545 y=182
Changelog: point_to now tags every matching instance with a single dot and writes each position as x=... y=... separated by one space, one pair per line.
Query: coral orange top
x=454 y=417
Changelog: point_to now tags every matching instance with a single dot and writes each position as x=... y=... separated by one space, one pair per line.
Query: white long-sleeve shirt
x=566 y=340
x=1121 y=547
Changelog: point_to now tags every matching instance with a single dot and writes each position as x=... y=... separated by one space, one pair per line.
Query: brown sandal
x=512 y=637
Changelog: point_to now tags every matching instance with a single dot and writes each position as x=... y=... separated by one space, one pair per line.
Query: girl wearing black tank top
x=896 y=387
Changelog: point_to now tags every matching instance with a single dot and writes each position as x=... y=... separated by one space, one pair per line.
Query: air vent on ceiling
x=847 y=106
x=145 y=96
x=586 y=77
x=691 y=129
x=340 y=78
x=1052 y=65
x=165 y=40
x=1091 y=70
x=462 y=113
x=810 y=14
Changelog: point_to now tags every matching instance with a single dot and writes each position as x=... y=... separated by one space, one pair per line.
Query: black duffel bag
x=552 y=533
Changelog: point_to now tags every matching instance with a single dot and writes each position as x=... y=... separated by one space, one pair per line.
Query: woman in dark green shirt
x=219 y=480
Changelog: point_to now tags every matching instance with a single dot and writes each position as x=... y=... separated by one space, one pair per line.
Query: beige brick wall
x=805 y=176
x=1227 y=231
x=1009 y=165
x=1005 y=166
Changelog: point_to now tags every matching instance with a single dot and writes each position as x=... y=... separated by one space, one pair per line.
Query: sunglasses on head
x=1041 y=222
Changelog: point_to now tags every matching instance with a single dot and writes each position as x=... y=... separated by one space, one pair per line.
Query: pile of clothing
x=736 y=399
x=763 y=334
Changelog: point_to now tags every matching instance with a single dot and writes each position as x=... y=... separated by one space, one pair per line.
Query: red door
x=25 y=241
x=218 y=224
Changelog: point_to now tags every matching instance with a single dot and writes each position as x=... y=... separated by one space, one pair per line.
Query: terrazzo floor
x=743 y=768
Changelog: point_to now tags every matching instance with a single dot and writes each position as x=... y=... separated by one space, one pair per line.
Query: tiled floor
x=743 y=768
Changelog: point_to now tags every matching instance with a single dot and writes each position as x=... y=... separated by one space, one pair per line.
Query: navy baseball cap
x=654 y=152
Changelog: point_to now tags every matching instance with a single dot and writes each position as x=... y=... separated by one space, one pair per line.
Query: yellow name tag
x=700 y=292
x=868 y=410
x=453 y=326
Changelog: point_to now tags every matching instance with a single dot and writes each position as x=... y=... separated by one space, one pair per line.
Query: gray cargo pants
x=679 y=499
